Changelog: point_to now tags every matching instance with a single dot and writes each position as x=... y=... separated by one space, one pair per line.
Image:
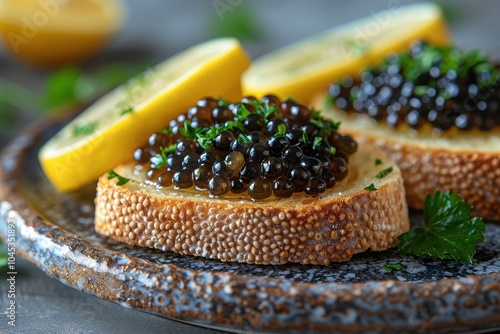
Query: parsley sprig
x=384 y=172
x=449 y=232
x=121 y=180
x=371 y=187
x=446 y=58
x=324 y=125
x=390 y=267
x=160 y=160
x=281 y=131
x=264 y=109
x=81 y=130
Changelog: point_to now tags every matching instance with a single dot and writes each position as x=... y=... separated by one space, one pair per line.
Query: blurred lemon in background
x=305 y=68
x=53 y=32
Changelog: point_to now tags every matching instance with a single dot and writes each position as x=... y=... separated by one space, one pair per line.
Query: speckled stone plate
x=55 y=232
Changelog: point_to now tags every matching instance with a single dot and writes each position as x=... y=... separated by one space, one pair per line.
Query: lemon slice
x=106 y=133
x=51 y=32
x=305 y=68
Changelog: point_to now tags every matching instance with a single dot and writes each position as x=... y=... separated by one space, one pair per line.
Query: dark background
x=155 y=30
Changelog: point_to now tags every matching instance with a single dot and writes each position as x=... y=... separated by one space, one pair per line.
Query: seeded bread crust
x=331 y=228
x=465 y=163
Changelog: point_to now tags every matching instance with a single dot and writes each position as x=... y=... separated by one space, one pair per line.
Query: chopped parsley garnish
x=446 y=58
x=160 y=160
x=317 y=141
x=449 y=232
x=242 y=113
x=121 y=180
x=266 y=110
x=390 y=267
x=242 y=139
x=315 y=114
x=325 y=125
x=305 y=138
x=378 y=162
x=384 y=173
x=84 y=129
x=333 y=150
x=231 y=125
x=222 y=102
x=190 y=132
x=204 y=143
x=126 y=110
x=370 y=187
x=281 y=131
x=167 y=131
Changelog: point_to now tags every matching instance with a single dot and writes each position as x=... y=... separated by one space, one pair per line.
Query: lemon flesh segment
x=49 y=33
x=106 y=133
x=305 y=68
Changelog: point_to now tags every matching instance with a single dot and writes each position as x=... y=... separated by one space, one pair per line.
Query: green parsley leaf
x=370 y=187
x=83 y=129
x=333 y=150
x=160 y=160
x=266 y=110
x=189 y=132
x=222 y=102
x=315 y=114
x=242 y=113
x=167 y=131
x=445 y=59
x=205 y=143
x=126 y=110
x=325 y=125
x=305 y=138
x=170 y=149
x=449 y=233
x=317 y=141
x=384 y=173
x=390 y=267
x=334 y=126
x=281 y=131
x=231 y=125
x=329 y=101
x=121 y=180
x=421 y=90
x=378 y=162
x=242 y=139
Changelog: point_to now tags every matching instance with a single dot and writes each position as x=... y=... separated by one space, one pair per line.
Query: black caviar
x=257 y=148
x=437 y=85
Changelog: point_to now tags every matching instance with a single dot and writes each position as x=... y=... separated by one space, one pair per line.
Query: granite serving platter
x=55 y=232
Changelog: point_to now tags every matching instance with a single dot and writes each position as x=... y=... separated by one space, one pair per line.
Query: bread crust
x=466 y=164
x=330 y=228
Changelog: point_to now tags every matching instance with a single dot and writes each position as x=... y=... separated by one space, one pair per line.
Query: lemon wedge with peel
x=305 y=68
x=107 y=132
x=52 y=32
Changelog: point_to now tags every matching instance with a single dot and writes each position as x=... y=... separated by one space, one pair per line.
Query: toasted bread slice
x=466 y=163
x=311 y=230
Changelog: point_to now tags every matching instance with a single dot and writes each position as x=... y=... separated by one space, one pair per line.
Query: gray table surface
x=155 y=30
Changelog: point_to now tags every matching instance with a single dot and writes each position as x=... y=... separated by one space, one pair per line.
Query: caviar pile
x=257 y=148
x=441 y=86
